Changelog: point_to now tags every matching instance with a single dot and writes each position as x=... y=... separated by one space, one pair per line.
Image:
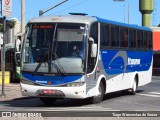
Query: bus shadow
x=35 y=102
x=118 y=94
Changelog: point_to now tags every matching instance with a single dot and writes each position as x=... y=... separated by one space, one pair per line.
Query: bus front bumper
x=56 y=92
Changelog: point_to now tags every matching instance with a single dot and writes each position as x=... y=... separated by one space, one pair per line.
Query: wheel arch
x=136 y=77
x=102 y=79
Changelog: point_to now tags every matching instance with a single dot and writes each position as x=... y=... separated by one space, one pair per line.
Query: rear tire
x=98 y=98
x=47 y=100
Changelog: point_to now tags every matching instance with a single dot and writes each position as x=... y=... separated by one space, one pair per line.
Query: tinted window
x=140 y=39
x=150 y=41
x=94 y=32
x=131 y=38
x=114 y=36
x=104 y=35
x=145 y=39
x=124 y=37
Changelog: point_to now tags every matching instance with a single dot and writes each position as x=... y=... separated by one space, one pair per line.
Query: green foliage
x=1 y=27
x=9 y=24
x=159 y=25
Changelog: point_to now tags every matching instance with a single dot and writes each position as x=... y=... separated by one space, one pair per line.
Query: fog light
x=23 y=90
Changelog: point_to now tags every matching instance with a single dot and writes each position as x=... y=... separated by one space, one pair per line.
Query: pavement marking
x=98 y=108
x=149 y=95
x=148 y=105
x=157 y=93
x=82 y=108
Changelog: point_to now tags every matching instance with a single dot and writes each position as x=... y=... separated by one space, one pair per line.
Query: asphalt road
x=146 y=99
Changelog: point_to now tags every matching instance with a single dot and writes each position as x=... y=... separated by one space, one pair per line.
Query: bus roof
x=82 y=19
x=64 y=19
x=123 y=24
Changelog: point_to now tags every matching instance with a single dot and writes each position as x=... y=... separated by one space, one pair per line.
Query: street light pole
x=41 y=12
x=124 y=13
x=22 y=19
x=124 y=8
x=128 y=12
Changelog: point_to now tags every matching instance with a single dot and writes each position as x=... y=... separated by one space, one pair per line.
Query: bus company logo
x=43 y=82
x=134 y=61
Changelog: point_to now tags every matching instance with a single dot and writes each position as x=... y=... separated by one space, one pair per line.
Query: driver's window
x=94 y=35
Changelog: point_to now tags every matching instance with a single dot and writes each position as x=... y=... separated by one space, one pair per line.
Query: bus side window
x=150 y=40
x=136 y=38
x=145 y=39
x=124 y=37
x=116 y=36
x=94 y=32
x=107 y=35
x=140 y=39
x=131 y=38
x=104 y=35
x=112 y=36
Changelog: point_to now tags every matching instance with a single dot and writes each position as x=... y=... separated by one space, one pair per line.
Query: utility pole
x=22 y=19
x=3 y=57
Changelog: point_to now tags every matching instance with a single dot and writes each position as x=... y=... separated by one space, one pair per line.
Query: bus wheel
x=133 y=90
x=98 y=98
x=47 y=100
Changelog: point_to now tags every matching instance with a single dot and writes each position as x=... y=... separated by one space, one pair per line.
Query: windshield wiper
x=58 y=66
x=42 y=61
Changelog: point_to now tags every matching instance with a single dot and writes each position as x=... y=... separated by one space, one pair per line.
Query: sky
x=107 y=9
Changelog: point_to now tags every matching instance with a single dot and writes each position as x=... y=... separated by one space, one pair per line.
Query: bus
x=115 y=57
x=11 y=61
x=17 y=60
x=156 y=49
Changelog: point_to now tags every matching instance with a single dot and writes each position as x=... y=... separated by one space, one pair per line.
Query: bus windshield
x=54 y=48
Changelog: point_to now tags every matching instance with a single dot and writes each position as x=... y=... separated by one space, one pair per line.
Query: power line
x=72 y=6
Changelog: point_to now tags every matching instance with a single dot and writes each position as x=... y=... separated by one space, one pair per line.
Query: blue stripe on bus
x=54 y=80
x=131 y=62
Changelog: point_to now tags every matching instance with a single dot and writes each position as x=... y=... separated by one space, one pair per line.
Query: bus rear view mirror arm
x=91 y=40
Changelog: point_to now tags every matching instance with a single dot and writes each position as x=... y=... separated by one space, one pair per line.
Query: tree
x=9 y=24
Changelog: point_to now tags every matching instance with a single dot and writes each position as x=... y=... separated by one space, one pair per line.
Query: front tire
x=133 y=90
x=47 y=100
x=98 y=98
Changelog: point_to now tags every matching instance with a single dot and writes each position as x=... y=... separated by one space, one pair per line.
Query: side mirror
x=91 y=40
x=93 y=47
x=93 y=50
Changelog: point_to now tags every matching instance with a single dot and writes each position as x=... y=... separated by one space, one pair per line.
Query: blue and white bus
x=114 y=57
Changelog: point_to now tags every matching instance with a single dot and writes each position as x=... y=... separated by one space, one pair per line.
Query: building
x=10 y=36
x=16 y=29
x=10 y=32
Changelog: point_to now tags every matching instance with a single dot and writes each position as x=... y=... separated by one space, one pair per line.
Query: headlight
x=28 y=82
x=75 y=84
